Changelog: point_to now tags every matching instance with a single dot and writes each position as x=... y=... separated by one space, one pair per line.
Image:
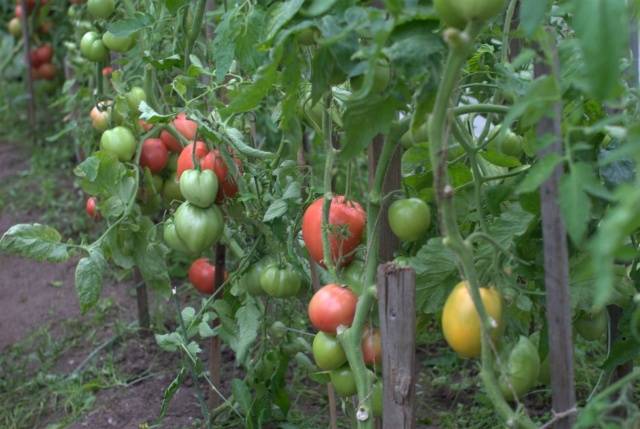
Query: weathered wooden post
x=556 y=267
x=397 y=310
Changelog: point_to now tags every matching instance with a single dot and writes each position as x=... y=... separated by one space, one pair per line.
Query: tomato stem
x=328 y=192
x=439 y=139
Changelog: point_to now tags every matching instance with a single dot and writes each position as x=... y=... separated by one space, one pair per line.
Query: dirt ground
x=33 y=295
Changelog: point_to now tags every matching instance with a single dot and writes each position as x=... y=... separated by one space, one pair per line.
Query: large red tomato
x=185 y=126
x=343 y=241
x=332 y=306
x=209 y=161
x=34 y=58
x=47 y=71
x=185 y=160
x=202 y=275
x=154 y=155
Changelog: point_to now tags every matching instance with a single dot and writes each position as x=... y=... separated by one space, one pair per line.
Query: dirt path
x=35 y=295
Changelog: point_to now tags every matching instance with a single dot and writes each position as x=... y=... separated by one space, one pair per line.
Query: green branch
x=460 y=46
x=328 y=192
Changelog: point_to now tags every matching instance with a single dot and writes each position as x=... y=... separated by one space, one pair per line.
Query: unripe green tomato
x=135 y=97
x=172 y=165
x=343 y=381
x=448 y=14
x=419 y=136
x=15 y=27
x=280 y=282
x=307 y=36
x=171 y=190
x=92 y=48
x=409 y=218
x=119 y=141
x=327 y=352
x=171 y=237
x=198 y=228
x=304 y=362
x=509 y=143
x=523 y=369
x=118 y=43
x=457 y=13
x=251 y=279
x=101 y=8
x=592 y=327
x=278 y=329
x=199 y=187
x=382 y=75
x=353 y=276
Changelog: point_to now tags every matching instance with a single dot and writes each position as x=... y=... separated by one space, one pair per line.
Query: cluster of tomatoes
x=95 y=46
x=42 y=66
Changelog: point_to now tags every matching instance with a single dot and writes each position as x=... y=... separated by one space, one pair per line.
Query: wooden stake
x=556 y=267
x=397 y=309
x=215 y=351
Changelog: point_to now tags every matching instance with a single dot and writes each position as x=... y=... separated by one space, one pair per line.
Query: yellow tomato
x=461 y=322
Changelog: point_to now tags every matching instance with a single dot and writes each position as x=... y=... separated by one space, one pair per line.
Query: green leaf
x=275 y=210
x=89 y=274
x=170 y=342
x=513 y=222
x=500 y=159
x=241 y=394
x=223 y=47
x=174 y=5
x=539 y=173
x=248 y=318
x=34 y=241
x=363 y=120
x=150 y=256
x=602 y=27
x=318 y=7
x=575 y=204
x=532 y=13
x=281 y=13
x=100 y=173
x=171 y=390
x=130 y=25
x=249 y=96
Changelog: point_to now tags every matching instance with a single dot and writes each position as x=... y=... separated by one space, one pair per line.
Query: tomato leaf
x=363 y=120
x=34 y=241
x=275 y=210
x=128 y=26
x=223 y=47
x=248 y=318
x=602 y=27
x=174 y=5
x=241 y=394
x=538 y=173
x=88 y=276
x=150 y=257
x=532 y=13
x=171 y=390
x=280 y=14
x=575 y=204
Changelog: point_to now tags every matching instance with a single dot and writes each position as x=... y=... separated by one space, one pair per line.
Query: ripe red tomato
x=185 y=126
x=347 y=219
x=106 y=71
x=154 y=155
x=372 y=346
x=34 y=58
x=209 y=161
x=47 y=71
x=332 y=306
x=145 y=126
x=202 y=275
x=91 y=208
x=44 y=53
x=185 y=160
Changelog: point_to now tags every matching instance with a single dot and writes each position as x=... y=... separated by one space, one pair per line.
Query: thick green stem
x=351 y=338
x=328 y=192
x=480 y=108
x=438 y=123
x=148 y=87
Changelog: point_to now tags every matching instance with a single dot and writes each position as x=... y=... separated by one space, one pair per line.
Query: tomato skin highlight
x=409 y=218
x=91 y=208
x=332 y=306
x=154 y=155
x=342 y=213
x=461 y=322
x=327 y=352
x=202 y=275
